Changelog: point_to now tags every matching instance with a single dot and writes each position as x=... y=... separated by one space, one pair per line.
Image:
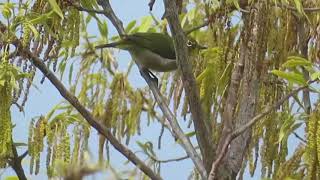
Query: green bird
x=152 y=51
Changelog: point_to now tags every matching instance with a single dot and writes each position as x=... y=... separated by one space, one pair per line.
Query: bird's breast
x=153 y=61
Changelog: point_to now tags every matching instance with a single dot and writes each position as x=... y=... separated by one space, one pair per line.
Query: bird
x=152 y=51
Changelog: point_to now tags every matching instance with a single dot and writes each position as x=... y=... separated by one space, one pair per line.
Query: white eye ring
x=189 y=43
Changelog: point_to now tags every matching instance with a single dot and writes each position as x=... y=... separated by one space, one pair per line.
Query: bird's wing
x=158 y=43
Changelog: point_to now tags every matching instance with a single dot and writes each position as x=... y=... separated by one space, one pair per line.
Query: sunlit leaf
x=291 y=77
x=130 y=26
x=294 y=61
x=56 y=8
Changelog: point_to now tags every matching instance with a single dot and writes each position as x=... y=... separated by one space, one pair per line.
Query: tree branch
x=250 y=123
x=112 y=16
x=150 y=4
x=299 y=137
x=15 y=163
x=169 y=160
x=177 y=131
x=267 y=110
x=310 y=10
x=84 y=112
x=203 y=133
x=80 y=8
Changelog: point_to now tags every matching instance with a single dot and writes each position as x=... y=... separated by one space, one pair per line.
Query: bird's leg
x=150 y=75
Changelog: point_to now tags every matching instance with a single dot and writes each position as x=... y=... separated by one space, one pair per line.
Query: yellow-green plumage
x=154 y=51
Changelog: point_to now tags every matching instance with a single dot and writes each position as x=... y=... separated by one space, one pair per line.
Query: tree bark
x=253 y=49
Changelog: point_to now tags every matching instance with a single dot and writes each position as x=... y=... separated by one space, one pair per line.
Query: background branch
x=80 y=8
x=250 y=123
x=169 y=160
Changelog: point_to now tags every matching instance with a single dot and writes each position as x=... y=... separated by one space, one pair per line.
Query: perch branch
x=177 y=131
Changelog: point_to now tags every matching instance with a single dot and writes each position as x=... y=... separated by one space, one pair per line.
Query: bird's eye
x=189 y=43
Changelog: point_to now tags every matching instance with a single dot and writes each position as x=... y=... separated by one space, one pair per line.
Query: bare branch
x=80 y=8
x=169 y=160
x=176 y=129
x=299 y=137
x=23 y=155
x=15 y=163
x=222 y=153
x=204 y=24
x=310 y=10
x=150 y=4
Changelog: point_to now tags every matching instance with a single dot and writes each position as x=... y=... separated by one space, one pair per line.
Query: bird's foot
x=150 y=75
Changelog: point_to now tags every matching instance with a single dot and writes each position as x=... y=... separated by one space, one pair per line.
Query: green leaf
x=287 y=128
x=12 y=178
x=299 y=6
x=145 y=24
x=70 y=73
x=6 y=11
x=290 y=76
x=103 y=28
x=315 y=75
x=130 y=26
x=236 y=4
x=56 y=8
x=294 y=61
x=42 y=19
x=34 y=30
x=190 y=134
x=2 y=82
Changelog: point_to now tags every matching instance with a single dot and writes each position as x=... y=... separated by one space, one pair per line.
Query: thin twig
x=80 y=8
x=23 y=155
x=223 y=152
x=316 y=9
x=150 y=4
x=169 y=160
x=206 y=23
x=299 y=137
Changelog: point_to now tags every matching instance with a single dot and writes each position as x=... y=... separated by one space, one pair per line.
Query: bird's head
x=194 y=45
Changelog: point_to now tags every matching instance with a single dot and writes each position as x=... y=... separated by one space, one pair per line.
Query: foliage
x=59 y=33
